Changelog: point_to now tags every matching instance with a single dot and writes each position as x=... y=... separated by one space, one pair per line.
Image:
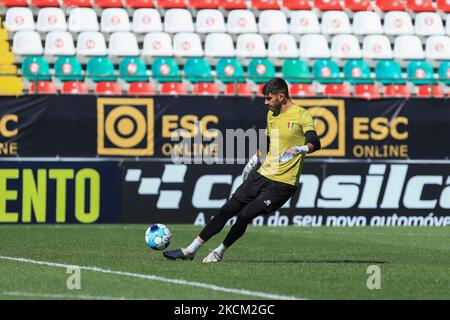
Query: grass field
x=267 y=263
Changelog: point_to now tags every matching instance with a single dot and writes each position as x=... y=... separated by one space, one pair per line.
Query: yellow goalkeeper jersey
x=286 y=130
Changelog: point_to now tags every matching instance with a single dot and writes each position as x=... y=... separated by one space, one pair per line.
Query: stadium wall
x=87 y=159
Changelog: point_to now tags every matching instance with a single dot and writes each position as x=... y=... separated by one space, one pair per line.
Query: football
x=158 y=236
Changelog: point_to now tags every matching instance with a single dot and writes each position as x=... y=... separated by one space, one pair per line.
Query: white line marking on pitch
x=158 y=278
x=60 y=296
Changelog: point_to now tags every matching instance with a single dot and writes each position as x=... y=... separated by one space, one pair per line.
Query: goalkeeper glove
x=286 y=156
x=252 y=165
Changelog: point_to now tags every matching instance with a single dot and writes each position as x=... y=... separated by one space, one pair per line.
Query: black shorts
x=271 y=195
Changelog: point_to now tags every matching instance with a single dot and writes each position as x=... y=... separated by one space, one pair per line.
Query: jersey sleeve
x=307 y=122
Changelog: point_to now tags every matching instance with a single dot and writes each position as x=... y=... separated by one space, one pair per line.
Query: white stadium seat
x=366 y=22
x=91 y=44
x=447 y=24
x=272 y=21
x=83 y=19
x=178 y=20
x=219 y=45
x=335 y=22
x=209 y=21
x=250 y=45
x=187 y=44
x=114 y=19
x=27 y=43
x=241 y=21
x=59 y=43
x=157 y=44
x=19 y=19
x=123 y=43
x=437 y=48
x=146 y=20
x=304 y=22
x=377 y=47
x=408 y=47
x=282 y=46
x=51 y=19
x=314 y=46
x=428 y=24
x=345 y=46
x=398 y=23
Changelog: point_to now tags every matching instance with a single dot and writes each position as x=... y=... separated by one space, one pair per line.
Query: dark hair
x=276 y=85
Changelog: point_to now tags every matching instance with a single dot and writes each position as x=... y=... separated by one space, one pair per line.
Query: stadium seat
x=397 y=90
x=114 y=19
x=357 y=5
x=444 y=73
x=336 y=90
x=173 y=88
x=250 y=45
x=260 y=70
x=123 y=44
x=187 y=44
x=68 y=69
x=59 y=43
x=229 y=70
x=44 y=3
x=157 y=44
x=169 y=4
x=146 y=20
x=19 y=19
x=91 y=44
x=141 y=89
x=296 y=4
x=304 y=22
x=326 y=71
x=357 y=72
x=389 y=72
x=335 y=22
x=35 y=68
x=238 y=89
x=205 y=88
x=345 y=46
x=107 y=88
x=419 y=5
x=366 y=22
x=296 y=71
x=100 y=69
x=219 y=45
x=437 y=48
x=264 y=4
x=203 y=4
x=428 y=90
x=15 y=3
x=443 y=5
x=366 y=91
x=74 y=87
x=314 y=46
x=139 y=4
x=83 y=19
x=272 y=21
x=42 y=87
x=241 y=21
x=107 y=3
x=209 y=21
x=398 y=23
x=178 y=20
x=166 y=69
x=325 y=5
x=27 y=43
x=8 y=70
x=428 y=24
x=377 y=47
x=133 y=69
x=51 y=19
x=232 y=4
x=301 y=90
x=447 y=24
x=10 y=85
x=4 y=46
x=282 y=46
x=76 y=3
x=6 y=58
x=420 y=72
x=408 y=47
x=390 y=5
x=197 y=70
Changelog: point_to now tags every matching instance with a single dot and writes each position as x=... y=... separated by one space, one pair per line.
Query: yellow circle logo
x=326 y=125
x=125 y=126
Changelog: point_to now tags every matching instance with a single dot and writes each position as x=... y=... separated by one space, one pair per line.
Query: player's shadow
x=319 y=261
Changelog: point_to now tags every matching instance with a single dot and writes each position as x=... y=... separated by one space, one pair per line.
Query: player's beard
x=276 y=107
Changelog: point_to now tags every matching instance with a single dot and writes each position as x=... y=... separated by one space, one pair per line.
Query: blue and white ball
x=158 y=236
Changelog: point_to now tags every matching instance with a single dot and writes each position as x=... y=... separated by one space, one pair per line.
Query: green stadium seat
x=420 y=72
x=260 y=70
x=100 y=69
x=166 y=69
x=444 y=72
x=133 y=69
x=230 y=70
x=326 y=71
x=36 y=68
x=197 y=70
x=357 y=72
x=296 y=71
x=389 y=72
x=68 y=69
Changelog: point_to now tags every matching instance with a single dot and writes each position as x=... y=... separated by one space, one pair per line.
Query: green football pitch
x=113 y=262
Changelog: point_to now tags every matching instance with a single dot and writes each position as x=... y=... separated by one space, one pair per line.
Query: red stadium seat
x=173 y=88
x=326 y=5
x=108 y=88
x=301 y=90
x=357 y=5
x=107 y=3
x=14 y=3
x=232 y=4
x=43 y=87
x=390 y=5
x=136 y=4
x=75 y=87
x=206 y=88
x=44 y=3
x=367 y=91
x=428 y=90
x=203 y=4
x=420 y=5
x=396 y=90
x=265 y=5
x=170 y=4
x=76 y=3
x=296 y=4
x=336 y=90
x=443 y=5
x=141 y=89
x=242 y=90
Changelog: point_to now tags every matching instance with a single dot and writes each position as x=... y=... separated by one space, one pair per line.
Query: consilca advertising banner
x=330 y=193
x=60 y=192
x=89 y=126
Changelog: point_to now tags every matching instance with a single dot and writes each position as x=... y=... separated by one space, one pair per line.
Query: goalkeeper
x=267 y=186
